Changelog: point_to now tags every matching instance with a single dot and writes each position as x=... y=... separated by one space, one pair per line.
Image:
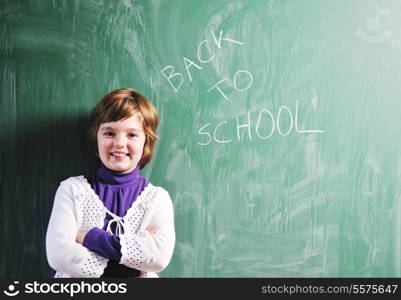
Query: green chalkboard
x=280 y=127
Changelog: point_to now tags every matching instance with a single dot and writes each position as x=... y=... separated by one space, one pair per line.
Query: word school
x=263 y=130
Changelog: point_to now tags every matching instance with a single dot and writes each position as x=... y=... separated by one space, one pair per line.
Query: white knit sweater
x=77 y=208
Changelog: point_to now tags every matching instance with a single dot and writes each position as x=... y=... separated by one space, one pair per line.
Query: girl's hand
x=80 y=237
x=152 y=229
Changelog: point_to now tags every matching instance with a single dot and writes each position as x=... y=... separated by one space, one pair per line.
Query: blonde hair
x=121 y=104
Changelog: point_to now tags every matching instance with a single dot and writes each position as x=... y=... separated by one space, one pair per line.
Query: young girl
x=113 y=222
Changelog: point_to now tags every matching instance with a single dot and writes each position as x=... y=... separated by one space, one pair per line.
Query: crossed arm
x=150 y=249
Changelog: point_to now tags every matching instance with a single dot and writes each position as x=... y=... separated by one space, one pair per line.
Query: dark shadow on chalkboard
x=33 y=162
x=53 y=149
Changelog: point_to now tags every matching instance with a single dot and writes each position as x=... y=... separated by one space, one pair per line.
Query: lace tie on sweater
x=119 y=224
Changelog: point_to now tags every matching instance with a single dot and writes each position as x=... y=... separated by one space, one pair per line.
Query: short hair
x=119 y=105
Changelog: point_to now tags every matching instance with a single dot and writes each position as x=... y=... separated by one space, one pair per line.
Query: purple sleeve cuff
x=107 y=245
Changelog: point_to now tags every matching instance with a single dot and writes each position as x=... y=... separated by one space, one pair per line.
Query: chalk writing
x=176 y=79
x=246 y=73
x=265 y=126
x=266 y=122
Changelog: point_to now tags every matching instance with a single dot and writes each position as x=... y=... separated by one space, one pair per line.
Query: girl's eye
x=109 y=133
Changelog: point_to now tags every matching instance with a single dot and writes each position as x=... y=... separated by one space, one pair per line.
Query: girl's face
x=120 y=144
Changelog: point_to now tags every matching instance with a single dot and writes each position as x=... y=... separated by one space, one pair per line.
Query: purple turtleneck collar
x=117 y=190
x=107 y=176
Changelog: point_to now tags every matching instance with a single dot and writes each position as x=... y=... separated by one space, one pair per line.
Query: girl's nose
x=120 y=140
